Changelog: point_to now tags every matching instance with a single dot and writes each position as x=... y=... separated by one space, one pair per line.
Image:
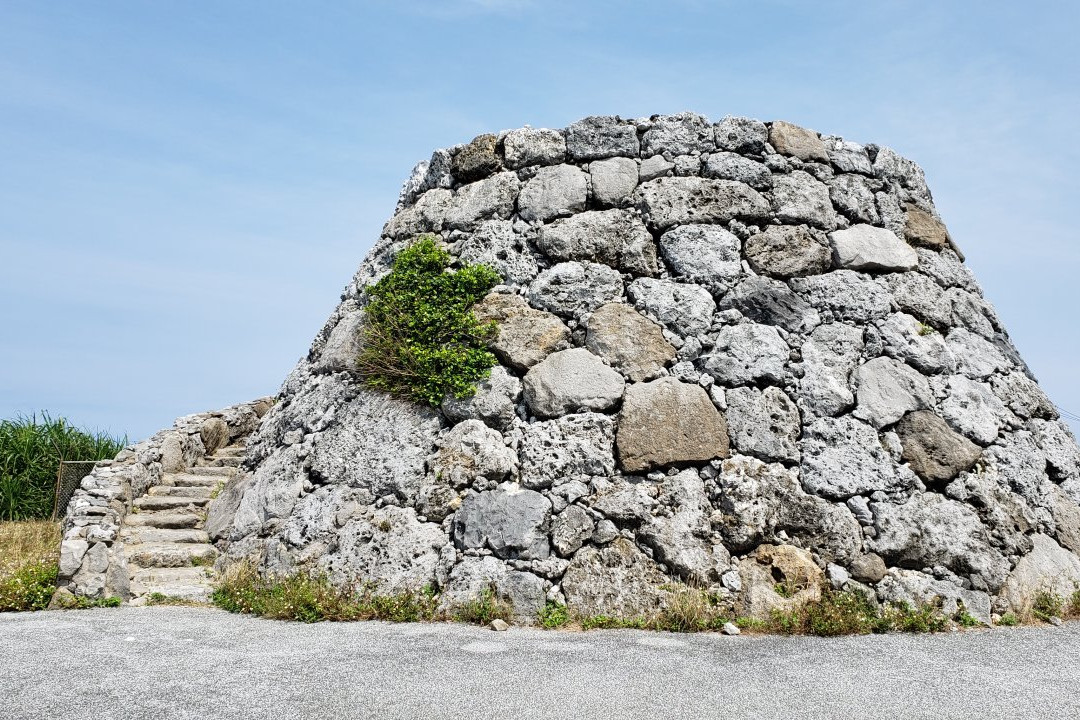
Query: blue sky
x=185 y=188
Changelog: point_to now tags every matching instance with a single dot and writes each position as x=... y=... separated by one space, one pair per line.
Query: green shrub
x=483 y=609
x=420 y=337
x=1047 y=605
x=85 y=603
x=1009 y=620
x=30 y=453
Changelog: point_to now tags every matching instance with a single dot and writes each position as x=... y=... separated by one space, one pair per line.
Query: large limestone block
x=790 y=139
x=494 y=243
x=933 y=449
x=553 y=192
x=510 y=521
x=570 y=529
x=471 y=451
x=844 y=295
x=799 y=198
x=930 y=530
x=475 y=576
x=829 y=356
x=917 y=589
x=852 y=196
x=741 y=135
x=887 y=390
x=680 y=134
x=666 y=422
x=731 y=166
x=771 y=302
x=783 y=567
x=628 y=341
x=613 y=180
x=491 y=198
x=865 y=247
x=785 y=251
x=476 y=160
x=684 y=308
x=573 y=289
x=844 y=457
x=747 y=353
x=533 y=146
x=617 y=580
x=763 y=423
x=571 y=381
x=682 y=541
x=972 y=408
x=911 y=341
x=599 y=137
x=666 y=202
x=525 y=336
x=703 y=254
x=615 y=237
x=924 y=229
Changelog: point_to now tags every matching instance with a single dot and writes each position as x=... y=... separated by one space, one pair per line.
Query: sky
x=186 y=188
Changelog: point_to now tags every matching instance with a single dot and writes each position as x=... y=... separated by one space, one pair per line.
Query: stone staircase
x=167 y=550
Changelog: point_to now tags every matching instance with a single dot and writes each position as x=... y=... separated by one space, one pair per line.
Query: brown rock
x=779 y=577
x=933 y=449
x=793 y=140
x=924 y=230
x=214 y=433
x=868 y=568
x=525 y=335
x=628 y=341
x=476 y=160
x=787 y=251
x=666 y=422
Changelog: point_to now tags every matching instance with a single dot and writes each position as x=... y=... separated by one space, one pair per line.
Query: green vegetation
x=553 y=615
x=85 y=603
x=483 y=609
x=30 y=453
x=925 y=329
x=420 y=337
x=157 y=598
x=311 y=597
x=29 y=553
x=1009 y=620
x=1048 y=605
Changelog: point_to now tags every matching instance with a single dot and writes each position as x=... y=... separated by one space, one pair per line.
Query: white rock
x=865 y=247
x=570 y=381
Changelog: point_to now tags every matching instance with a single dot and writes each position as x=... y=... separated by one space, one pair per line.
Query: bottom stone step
x=164 y=519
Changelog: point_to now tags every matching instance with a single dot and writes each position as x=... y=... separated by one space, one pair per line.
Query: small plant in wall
x=420 y=338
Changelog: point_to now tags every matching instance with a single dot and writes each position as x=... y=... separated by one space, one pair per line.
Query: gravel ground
x=168 y=662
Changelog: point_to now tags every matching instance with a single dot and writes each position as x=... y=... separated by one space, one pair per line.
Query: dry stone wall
x=734 y=354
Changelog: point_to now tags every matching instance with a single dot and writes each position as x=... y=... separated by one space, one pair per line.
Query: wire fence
x=68 y=478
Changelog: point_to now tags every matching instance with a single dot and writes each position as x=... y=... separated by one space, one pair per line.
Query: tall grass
x=29 y=552
x=30 y=452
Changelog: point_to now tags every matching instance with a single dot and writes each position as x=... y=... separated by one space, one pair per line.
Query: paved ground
x=166 y=663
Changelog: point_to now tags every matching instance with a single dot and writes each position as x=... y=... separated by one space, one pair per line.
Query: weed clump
x=420 y=338
x=29 y=556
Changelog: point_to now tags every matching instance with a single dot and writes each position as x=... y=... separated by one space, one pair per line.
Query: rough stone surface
x=741 y=135
x=747 y=353
x=666 y=202
x=865 y=247
x=628 y=341
x=763 y=423
x=573 y=446
x=703 y=254
x=789 y=139
x=924 y=229
x=510 y=521
x=932 y=449
x=553 y=192
x=731 y=166
x=493 y=403
x=798 y=198
x=615 y=237
x=844 y=295
x=529 y=146
x=886 y=390
x=470 y=451
x=571 y=381
x=844 y=457
x=830 y=355
x=599 y=137
x=572 y=289
x=525 y=336
x=666 y=422
x=785 y=251
x=771 y=302
x=613 y=180
x=916 y=343
x=683 y=308
x=618 y=580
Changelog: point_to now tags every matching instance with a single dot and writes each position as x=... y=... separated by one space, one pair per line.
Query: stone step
x=163 y=519
x=231 y=451
x=185 y=582
x=219 y=471
x=152 y=502
x=165 y=535
x=198 y=491
x=170 y=555
x=187 y=593
x=190 y=480
x=222 y=461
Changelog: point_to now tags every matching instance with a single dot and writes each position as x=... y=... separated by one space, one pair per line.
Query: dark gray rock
x=771 y=302
x=741 y=135
x=510 y=521
x=573 y=289
x=476 y=160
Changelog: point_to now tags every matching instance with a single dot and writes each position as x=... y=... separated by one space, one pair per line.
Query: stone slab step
x=153 y=502
x=168 y=555
x=226 y=472
x=164 y=519
x=199 y=491
x=190 y=480
x=222 y=461
x=190 y=583
x=166 y=535
x=231 y=451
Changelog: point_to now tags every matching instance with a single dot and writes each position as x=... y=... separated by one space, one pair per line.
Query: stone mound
x=739 y=355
